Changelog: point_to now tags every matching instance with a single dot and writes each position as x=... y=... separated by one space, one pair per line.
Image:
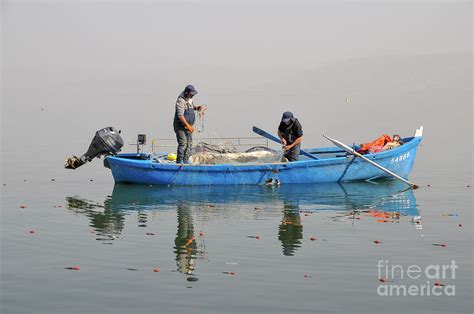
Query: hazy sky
x=72 y=67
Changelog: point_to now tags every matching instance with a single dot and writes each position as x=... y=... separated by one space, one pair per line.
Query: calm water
x=250 y=248
x=350 y=70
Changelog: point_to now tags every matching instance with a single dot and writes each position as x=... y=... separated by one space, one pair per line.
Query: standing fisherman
x=290 y=133
x=184 y=118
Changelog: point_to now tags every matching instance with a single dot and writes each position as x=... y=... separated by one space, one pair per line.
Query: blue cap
x=287 y=116
x=190 y=89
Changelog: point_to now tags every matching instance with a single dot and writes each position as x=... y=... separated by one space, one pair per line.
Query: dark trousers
x=185 y=144
x=293 y=154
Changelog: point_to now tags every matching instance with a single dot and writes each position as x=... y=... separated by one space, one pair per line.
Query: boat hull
x=337 y=169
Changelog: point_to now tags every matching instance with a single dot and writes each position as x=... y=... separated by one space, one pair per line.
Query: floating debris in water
x=73 y=268
x=53 y=180
x=156 y=270
x=192 y=279
x=377 y=241
x=438 y=284
x=254 y=237
x=32 y=231
x=459 y=225
x=256 y=208
x=132 y=269
x=23 y=206
x=451 y=215
x=383 y=220
x=201 y=234
x=229 y=273
x=313 y=238
x=440 y=244
x=211 y=206
x=91 y=180
x=150 y=233
x=306 y=275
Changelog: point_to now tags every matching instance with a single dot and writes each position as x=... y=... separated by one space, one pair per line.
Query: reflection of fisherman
x=184 y=118
x=185 y=244
x=291 y=136
x=291 y=230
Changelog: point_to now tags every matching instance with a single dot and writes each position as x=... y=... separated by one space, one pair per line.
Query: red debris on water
x=253 y=237
x=156 y=270
x=381 y=279
x=201 y=234
x=73 y=268
x=440 y=244
x=22 y=206
x=229 y=273
x=438 y=284
x=313 y=238
x=377 y=241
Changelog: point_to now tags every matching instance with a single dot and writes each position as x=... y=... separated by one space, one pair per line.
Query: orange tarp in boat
x=374 y=146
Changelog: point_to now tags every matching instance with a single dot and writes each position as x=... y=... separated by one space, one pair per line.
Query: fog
x=352 y=70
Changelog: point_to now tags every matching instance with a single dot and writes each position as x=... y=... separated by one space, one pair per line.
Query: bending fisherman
x=290 y=133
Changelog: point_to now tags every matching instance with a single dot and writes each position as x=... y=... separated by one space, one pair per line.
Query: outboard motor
x=106 y=141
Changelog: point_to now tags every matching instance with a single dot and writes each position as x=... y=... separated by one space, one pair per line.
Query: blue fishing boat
x=333 y=164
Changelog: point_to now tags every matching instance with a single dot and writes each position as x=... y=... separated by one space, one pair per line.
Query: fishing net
x=226 y=153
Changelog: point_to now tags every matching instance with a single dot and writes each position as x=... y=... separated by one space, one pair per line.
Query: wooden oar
x=352 y=151
x=275 y=139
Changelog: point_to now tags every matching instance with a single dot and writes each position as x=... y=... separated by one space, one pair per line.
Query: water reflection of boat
x=289 y=200
x=389 y=195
